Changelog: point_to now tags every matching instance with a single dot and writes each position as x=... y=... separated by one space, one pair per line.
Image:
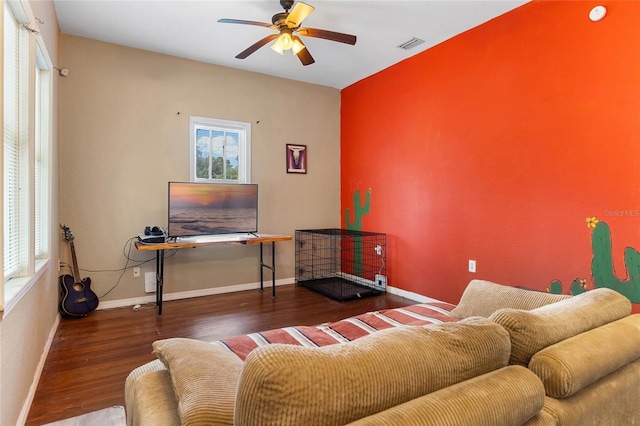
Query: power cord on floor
x=126 y=251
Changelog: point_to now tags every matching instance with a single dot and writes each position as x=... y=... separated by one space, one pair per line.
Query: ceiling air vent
x=409 y=44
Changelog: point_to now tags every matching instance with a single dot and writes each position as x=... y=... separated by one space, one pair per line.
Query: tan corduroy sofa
x=515 y=357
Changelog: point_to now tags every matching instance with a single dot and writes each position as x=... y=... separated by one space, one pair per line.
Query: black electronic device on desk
x=153 y=235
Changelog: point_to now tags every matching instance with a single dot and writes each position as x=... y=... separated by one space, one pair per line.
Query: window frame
x=244 y=147
x=34 y=57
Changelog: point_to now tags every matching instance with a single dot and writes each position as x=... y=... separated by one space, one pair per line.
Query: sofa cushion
x=204 y=379
x=508 y=396
x=334 y=385
x=534 y=330
x=571 y=365
x=482 y=298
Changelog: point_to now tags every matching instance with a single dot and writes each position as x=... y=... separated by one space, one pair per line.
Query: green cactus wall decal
x=602 y=265
x=555 y=287
x=359 y=210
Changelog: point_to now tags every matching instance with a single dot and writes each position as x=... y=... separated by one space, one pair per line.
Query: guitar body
x=76 y=298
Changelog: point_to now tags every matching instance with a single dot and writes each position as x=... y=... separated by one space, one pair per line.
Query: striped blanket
x=344 y=330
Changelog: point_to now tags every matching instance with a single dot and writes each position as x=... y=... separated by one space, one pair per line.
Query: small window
x=220 y=150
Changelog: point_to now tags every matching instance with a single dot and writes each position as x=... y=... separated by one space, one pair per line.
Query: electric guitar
x=76 y=297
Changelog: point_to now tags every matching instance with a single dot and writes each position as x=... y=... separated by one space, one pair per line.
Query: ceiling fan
x=288 y=26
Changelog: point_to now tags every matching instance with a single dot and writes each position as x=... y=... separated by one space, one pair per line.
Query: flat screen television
x=212 y=209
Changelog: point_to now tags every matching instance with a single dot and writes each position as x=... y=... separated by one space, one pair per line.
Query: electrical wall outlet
x=136 y=272
x=472 y=266
x=381 y=281
x=149 y=282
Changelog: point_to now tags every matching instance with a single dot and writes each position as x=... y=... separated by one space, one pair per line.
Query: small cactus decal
x=577 y=286
x=359 y=210
x=602 y=266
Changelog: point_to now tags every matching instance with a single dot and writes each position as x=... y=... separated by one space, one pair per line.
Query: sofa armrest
x=508 y=396
x=573 y=364
x=534 y=330
x=131 y=388
x=155 y=403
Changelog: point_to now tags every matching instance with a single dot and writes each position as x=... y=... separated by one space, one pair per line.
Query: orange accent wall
x=496 y=146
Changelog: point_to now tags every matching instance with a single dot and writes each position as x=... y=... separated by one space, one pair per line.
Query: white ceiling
x=189 y=29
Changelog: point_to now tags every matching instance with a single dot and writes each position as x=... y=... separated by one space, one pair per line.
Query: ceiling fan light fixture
x=297 y=46
x=284 y=40
x=277 y=47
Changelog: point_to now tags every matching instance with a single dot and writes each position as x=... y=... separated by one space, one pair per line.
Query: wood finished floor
x=91 y=357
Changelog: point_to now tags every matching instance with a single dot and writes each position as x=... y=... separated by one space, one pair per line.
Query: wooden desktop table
x=195 y=242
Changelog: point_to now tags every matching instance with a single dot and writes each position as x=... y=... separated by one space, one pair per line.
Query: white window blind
x=42 y=146
x=16 y=44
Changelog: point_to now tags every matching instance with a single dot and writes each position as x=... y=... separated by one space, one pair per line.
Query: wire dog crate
x=340 y=263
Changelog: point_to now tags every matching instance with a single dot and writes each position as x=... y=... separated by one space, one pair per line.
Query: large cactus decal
x=602 y=266
x=359 y=210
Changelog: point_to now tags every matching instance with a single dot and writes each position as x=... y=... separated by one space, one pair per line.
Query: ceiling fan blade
x=328 y=35
x=304 y=55
x=255 y=46
x=298 y=13
x=242 y=21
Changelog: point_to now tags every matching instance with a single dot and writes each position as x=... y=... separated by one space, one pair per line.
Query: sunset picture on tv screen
x=212 y=208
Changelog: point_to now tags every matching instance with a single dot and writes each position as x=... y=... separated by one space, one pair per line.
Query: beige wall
x=125 y=134
x=25 y=330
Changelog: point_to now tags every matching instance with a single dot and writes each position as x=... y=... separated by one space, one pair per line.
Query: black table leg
x=272 y=267
x=159 y=279
x=262 y=266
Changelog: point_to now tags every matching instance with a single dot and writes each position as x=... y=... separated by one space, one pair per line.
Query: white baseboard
x=192 y=293
x=24 y=413
x=411 y=295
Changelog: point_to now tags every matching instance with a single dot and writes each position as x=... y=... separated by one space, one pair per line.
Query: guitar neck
x=76 y=270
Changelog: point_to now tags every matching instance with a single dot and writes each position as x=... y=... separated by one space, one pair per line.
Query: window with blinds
x=16 y=96
x=27 y=169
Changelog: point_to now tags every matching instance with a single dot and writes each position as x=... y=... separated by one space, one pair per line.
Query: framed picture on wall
x=296 y=158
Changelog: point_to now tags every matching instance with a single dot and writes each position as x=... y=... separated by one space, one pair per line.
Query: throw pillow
x=204 y=378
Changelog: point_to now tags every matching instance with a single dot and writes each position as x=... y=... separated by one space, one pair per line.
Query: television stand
x=196 y=242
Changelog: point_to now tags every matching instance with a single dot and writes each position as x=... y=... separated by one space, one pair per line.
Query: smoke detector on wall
x=597 y=13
